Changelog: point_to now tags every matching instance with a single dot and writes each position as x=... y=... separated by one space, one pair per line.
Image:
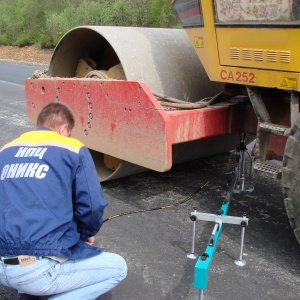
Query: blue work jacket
x=51 y=200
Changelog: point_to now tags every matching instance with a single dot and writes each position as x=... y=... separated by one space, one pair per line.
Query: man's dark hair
x=55 y=114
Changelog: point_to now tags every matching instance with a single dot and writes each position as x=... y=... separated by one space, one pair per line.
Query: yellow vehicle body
x=240 y=51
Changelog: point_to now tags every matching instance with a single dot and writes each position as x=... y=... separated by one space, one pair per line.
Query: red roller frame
x=125 y=120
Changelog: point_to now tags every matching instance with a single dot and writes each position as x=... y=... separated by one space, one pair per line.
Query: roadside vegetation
x=43 y=22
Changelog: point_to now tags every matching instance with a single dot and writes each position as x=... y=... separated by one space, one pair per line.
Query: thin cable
x=186 y=199
x=176 y=103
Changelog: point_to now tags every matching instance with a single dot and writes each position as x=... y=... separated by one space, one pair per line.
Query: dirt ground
x=31 y=54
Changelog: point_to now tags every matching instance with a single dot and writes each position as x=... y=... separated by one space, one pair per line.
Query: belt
x=22 y=260
x=10 y=261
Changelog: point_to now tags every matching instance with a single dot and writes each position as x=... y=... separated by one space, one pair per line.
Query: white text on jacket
x=31 y=152
x=24 y=170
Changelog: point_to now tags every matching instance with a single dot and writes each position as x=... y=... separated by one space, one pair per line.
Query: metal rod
x=242 y=186
x=216 y=227
x=241 y=175
x=212 y=237
x=240 y=261
x=220 y=218
x=232 y=185
x=242 y=242
x=201 y=295
x=193 y=238
x=192 y=254
x=242 y=162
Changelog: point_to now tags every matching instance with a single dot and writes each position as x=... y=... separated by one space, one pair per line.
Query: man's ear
x=64 y=130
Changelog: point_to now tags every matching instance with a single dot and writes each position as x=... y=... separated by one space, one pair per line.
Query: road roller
x=141 y=98
x=149 y=98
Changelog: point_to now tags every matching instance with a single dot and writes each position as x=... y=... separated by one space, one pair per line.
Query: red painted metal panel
x=196 y=124
x=124 y=119
x=119 y=118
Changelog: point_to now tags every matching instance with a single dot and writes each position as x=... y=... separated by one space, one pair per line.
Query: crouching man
x=51 y=208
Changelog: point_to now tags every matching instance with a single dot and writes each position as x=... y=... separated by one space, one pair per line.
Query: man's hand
x=90 y=240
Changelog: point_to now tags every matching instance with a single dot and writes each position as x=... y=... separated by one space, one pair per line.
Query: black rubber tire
x=291 y=178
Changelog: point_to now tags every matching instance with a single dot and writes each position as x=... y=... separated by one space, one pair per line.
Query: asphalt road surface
x=155 y=243
x=13 y=117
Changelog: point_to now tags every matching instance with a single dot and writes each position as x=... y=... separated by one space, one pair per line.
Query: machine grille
x=246 y=54
x=260 y=55
x=234 y=53
x=285 y=56
x=271 y=55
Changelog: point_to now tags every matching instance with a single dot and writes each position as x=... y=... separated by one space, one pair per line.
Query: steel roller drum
x=162 y=58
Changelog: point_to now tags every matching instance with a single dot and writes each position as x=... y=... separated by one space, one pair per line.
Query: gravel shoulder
x=31 y=54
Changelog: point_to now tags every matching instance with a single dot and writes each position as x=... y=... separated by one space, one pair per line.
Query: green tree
x=43 y=22
x=16 y=21
x=162 y=14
